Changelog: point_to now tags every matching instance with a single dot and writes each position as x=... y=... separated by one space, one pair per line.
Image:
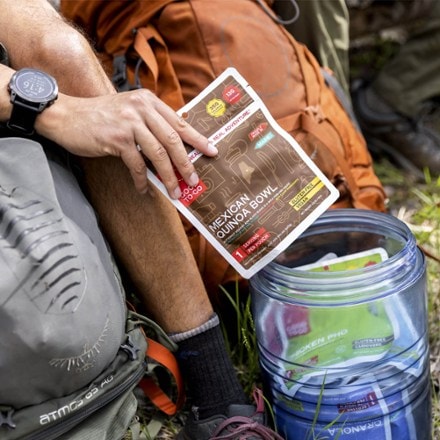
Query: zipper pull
x=6 y=417
x=130 y=349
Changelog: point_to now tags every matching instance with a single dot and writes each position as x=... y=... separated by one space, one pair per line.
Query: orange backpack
x=176 y=48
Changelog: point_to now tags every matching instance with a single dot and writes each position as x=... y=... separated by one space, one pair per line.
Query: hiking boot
x=241 y=422
x=410 y=143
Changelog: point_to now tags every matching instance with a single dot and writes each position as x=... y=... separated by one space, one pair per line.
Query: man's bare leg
x=147 y=235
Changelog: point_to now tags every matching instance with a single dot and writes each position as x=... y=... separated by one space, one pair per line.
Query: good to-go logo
x=191 y=193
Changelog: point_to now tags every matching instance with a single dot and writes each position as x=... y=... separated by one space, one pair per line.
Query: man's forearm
x=35 y=35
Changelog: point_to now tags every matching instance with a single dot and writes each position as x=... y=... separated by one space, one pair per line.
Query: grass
x=419 y=207
x=415 y=203
x=244 y=350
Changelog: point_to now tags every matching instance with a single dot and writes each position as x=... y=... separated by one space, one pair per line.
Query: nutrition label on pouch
x=261 y=191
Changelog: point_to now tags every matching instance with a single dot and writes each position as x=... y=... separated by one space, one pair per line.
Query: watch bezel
x=17 y=92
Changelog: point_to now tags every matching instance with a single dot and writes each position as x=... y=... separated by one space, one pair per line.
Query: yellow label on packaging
x=306 y=194
x=215 y=107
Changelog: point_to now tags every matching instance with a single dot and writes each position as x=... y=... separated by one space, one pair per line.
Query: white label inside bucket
x=332 y=263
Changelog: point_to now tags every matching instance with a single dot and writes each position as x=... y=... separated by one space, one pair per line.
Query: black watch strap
x=22 y=119
x=31 y=91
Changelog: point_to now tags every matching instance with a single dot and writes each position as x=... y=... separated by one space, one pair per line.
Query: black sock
x=209 y=374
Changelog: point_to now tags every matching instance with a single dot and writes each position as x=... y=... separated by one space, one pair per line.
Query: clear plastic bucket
x=341 y=322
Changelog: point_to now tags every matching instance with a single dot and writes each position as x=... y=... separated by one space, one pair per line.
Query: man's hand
x=127 y=125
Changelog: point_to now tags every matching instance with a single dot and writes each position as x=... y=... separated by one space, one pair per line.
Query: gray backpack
x=70 y=352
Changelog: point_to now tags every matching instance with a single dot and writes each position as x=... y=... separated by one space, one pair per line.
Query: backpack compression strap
x=165 y=358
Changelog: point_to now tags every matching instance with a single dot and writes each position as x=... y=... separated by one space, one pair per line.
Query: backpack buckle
x=119 y=78
x=6 y=418
x=130 y=349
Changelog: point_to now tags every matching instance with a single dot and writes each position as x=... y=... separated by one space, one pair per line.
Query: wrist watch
x=31 y=91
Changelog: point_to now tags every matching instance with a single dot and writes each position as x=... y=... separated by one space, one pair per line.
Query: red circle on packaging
x=231 y=94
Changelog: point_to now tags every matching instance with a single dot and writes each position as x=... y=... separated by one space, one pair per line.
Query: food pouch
x=261 y=191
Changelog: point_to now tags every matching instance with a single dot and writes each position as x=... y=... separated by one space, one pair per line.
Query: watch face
x=36 y=86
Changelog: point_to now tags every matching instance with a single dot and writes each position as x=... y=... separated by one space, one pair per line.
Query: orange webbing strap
x=164 y=357
x=157 y=58
x=310 y=123
x=322 y=132
x=315 y=86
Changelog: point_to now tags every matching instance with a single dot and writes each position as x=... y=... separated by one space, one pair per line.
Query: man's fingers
x=167 y=154
x=163 y=161
x=194 y=138
x=135 y=163
x=185 y=131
